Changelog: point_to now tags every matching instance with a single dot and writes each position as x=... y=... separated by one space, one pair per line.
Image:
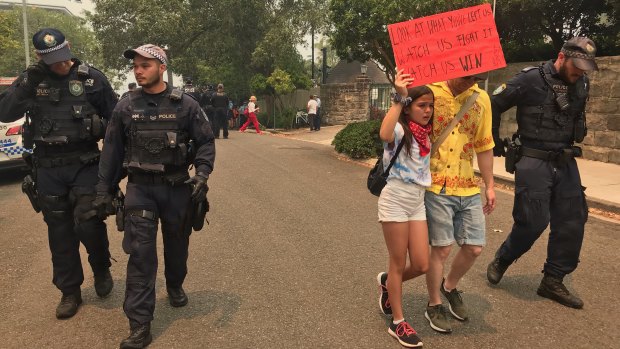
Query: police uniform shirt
x=99 y=93
x=527 y=88
x=191 y=118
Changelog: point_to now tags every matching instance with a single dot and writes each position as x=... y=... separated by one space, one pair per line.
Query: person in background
x=317 y=119
x=130 y=87
x=311 y=108
x=252 y=110
x=401 y=204
x=220 y=101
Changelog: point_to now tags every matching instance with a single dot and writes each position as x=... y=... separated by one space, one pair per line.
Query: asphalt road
x=289 y=261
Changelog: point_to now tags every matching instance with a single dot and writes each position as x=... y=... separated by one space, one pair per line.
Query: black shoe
x=552 y=287
x=496 y=270
x=68 y=306
x=140 y=337
x=405 y=334
x=103 y=284
x=177 y=296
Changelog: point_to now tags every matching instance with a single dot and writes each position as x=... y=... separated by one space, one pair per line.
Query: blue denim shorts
x=454 y=219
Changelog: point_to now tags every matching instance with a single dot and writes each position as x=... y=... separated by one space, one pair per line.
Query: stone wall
x=346 y=103
x=602 y=112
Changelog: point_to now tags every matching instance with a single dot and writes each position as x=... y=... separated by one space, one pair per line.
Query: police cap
x=51 y=45
x=582 y=50
x=147 y=51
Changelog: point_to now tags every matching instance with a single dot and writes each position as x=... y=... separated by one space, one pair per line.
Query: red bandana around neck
x=420 y=133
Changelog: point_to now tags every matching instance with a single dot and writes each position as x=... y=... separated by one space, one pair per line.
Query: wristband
x=399 y=99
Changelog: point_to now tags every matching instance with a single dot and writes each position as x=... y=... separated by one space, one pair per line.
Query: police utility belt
x=514 y=152
x=146 y=178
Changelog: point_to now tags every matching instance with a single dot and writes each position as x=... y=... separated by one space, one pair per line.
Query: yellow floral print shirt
x=452 y=164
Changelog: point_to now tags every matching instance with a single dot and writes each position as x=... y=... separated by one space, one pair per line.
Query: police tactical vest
x=62 y=114
x=555 y=119
x=155 y=140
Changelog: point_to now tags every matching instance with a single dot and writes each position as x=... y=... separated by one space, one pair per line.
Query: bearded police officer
x=67 y=105
x=550 y=102
x=158 y=131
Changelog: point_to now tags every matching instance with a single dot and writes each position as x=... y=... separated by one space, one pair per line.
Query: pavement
x=601 y=179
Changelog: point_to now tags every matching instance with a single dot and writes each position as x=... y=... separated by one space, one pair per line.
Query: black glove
x=103 y=205
x=36 y=73
x=498 y=150
x=199 y=187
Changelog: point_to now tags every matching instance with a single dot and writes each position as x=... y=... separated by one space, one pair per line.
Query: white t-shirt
x=251 y=107
x=410 y=169
x=312 y=105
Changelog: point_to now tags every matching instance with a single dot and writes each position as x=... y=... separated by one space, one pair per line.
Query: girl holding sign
x=401 y=204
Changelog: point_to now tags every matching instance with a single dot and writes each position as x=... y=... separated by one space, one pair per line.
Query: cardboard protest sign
x=447 y=45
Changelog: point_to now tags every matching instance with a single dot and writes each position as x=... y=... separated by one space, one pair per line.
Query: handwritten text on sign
x=447 y=45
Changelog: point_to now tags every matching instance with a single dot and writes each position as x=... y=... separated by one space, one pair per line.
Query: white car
x=11 y=146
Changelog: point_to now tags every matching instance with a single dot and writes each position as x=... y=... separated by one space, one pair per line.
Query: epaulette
x=83 y=70
x=176 y=94
x=526 y=69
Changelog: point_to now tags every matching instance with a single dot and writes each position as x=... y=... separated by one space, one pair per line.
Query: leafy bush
x=359 y=140
x=284 y=119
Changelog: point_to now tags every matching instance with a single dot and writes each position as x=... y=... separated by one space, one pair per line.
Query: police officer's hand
x=498 y=150
x=199 y=187
x=36 y=73
x=103 y=204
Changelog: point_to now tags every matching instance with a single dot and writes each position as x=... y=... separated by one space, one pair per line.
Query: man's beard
x=563 y=73
x=152 y=83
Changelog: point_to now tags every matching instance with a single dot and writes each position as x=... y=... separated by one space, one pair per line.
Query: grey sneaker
x=384 y=299
x=437 y=318
x=456 y=306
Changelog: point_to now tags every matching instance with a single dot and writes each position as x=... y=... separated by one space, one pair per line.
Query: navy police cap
x=51 y=45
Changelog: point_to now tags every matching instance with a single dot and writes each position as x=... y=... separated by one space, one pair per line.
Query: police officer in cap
x=159 y=132
x=191 y=90
x=67 y=105
x=551 y=101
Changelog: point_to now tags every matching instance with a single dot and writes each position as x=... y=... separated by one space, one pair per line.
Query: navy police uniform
x=548 y=190
x=66 y=117
x=219 y=101
x=547 y=183
x=155 y=137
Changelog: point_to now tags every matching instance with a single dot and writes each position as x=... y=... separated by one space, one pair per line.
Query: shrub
x=359 y=140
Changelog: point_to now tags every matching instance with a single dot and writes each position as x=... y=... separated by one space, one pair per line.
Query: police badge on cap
x=51 y=45
x=583 y=51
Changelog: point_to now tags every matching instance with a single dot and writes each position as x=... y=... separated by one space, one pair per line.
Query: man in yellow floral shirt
x=455 y=212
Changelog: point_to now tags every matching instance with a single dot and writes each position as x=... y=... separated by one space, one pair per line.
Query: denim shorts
x=455 y=219
x=401 y=202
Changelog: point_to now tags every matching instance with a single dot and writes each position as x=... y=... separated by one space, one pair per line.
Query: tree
x=211 y=41
x=536 y=30
x=360 y=26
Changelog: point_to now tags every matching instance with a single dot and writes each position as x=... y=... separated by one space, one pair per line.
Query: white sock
x=396 y=322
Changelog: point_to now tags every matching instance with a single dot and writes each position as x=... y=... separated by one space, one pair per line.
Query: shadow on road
x=201 y=303
x=414 y=305
x=524 y=286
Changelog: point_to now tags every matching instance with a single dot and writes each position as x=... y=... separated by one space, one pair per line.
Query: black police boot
x=140 y=337
x=496 y=270
x=69 y=304
x=177 y=296
x=103 y=283
x=552 y=287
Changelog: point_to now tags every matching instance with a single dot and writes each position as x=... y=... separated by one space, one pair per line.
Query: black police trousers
x=547 y=193
x=64 y=193
x=220 y=122
x=171 y=205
